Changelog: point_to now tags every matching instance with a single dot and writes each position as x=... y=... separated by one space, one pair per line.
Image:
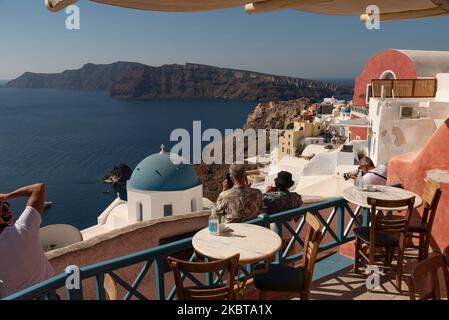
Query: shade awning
x=390 y=9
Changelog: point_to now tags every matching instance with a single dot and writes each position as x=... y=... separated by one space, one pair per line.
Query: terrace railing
x=336 y=216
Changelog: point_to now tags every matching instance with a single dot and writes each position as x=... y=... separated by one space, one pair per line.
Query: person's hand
x=3 y=197
x=249 y=181
x=225 y=185
x=270 y=189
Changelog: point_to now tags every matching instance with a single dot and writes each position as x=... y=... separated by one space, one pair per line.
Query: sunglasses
x=4 y=207
x=4 y=218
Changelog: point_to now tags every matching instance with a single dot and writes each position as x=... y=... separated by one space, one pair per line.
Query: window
x=193 y=205
x=282 y=149
x=168 y=210
x=139 y=211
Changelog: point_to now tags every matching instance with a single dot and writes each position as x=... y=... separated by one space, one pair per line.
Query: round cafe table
x=359 y=197
x=253 y=243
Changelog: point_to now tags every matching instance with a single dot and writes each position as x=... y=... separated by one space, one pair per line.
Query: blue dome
x=158 y=173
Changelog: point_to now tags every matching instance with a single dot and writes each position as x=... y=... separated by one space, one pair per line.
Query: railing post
x=99 y=286
x=75 y=294
x=159 y=271
x=264 y=218
x=341 y=223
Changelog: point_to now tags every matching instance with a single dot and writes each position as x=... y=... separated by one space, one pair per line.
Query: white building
x=157 y=188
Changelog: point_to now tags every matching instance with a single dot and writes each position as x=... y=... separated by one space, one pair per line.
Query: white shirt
x=22 y=260
x=376 y=176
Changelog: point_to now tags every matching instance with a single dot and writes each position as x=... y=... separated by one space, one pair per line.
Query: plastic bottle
x=214 y=227
x=359 y=181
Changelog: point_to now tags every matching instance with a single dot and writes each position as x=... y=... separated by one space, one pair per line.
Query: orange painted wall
x=410 y=171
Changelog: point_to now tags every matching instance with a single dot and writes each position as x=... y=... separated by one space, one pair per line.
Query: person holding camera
x=371 y=174
x=238 y=200
x=278 y=198
x=23 y=262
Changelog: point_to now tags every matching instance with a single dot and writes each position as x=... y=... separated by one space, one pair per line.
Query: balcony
x=145 y=275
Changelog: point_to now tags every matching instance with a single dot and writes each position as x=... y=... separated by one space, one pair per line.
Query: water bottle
x=214 y=222
x=359 y=181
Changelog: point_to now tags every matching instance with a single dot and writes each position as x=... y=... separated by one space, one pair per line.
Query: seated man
x=279 y=198
x=22 y=260
x=241 y=202
x=372 y=175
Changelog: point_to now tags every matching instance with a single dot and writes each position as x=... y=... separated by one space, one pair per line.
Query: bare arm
x=34 y=192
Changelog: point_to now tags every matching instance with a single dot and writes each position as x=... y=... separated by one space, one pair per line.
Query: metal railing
x=336 y=216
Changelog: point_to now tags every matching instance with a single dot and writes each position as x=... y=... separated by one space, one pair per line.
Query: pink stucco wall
x=122 y=242
x=394 y=60
x=410 y=171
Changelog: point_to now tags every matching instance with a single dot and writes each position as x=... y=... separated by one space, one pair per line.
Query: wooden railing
x=405 y=88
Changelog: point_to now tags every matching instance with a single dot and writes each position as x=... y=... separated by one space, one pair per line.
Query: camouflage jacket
x=240 y=203
x=279 y=201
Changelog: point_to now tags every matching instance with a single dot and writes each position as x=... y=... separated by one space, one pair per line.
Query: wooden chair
x=421 y=227
x=385 y=232
x=282 y=278
x=446 y=255
x=424 y=280
x=221 y=291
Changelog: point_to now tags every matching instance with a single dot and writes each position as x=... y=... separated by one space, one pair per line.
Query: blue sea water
x=71 y=139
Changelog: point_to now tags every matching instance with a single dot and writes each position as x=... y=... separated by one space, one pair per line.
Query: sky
x=286 y=42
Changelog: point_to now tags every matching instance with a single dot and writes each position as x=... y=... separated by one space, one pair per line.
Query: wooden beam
x=58 y=5
x=410 y=14
x=270 y=5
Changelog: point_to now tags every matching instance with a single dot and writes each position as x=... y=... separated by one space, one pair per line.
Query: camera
x=347 y=176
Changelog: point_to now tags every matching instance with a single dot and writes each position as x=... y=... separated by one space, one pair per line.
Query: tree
x=299 y=149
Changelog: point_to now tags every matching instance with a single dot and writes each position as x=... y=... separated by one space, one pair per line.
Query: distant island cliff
x=135 y=80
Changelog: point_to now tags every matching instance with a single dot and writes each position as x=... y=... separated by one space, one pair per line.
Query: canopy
x=390 y=9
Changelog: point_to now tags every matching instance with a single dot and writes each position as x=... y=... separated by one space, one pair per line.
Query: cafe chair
x=425 y=281
x=385 y=232
x=446 y=255
x=421 y=227
x=220 y=291
x=282 y=278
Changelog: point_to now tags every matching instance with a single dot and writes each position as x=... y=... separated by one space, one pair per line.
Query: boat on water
x=48 y=204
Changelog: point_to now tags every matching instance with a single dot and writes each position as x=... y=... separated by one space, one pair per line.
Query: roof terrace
x=146 y=275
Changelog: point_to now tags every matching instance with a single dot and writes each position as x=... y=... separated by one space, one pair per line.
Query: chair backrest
x=424 y=280
x=396 y=224
x=224 y=290
x=311 y=245
x=431 y=198
x=446 y=255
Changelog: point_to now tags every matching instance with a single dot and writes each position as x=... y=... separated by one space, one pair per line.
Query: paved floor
x=347 y=285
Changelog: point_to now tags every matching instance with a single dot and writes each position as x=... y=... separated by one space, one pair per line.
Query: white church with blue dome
x=157 y=188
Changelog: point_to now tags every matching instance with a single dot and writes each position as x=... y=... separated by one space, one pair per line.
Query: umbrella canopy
x=389 y=9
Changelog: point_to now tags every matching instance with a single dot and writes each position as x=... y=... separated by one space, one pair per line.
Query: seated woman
x=278 y=198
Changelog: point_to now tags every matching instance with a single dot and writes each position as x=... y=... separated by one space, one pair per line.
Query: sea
x=71 y=139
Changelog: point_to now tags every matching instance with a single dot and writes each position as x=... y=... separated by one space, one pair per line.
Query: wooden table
x=359 y=197
x=253 y=243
